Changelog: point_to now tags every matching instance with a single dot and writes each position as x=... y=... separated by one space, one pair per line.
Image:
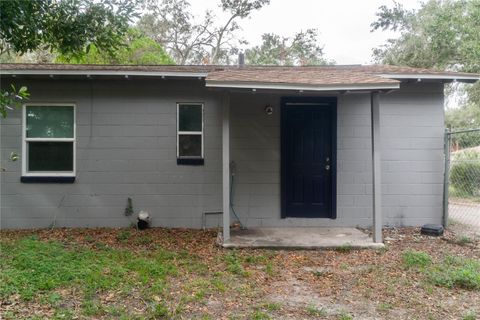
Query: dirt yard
x=182 y=274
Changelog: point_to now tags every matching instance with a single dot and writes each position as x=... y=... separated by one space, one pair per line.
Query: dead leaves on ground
x=365 y=283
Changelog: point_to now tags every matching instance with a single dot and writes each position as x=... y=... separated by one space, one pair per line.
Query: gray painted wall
x=126 y=147
x=412 y=159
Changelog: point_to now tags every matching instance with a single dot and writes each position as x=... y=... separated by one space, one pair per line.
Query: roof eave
x=106 y=73
x=300 y=87
x=440 y=77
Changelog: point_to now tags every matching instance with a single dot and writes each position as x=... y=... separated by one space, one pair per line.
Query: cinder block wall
x=412 y=156
x=126 y=147
x=412 y=122
x=255 y=147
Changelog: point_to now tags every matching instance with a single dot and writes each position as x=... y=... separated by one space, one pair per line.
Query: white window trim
x=190 y=132
x=25 y=172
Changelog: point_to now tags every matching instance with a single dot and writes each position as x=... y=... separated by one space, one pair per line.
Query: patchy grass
x=234 y=264
x=345 y=316
x=182 y=274
x=383 y=307
x=314 y=311
x=412 y=258
x=346 y=248
x=470 y=316
x=456 y=272
x=451 y=272
x=30 y=267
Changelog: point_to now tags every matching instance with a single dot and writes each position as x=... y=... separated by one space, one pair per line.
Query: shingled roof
x=275 y=77
x=309 y=78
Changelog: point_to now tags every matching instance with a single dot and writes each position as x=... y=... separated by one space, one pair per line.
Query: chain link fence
x=462 y=178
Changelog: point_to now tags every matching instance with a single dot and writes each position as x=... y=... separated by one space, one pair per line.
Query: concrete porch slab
x=305 y=238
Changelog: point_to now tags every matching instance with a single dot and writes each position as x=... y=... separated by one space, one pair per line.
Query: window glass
x=190 y=118
x=49 y=122
x=190 y=145
x=50 y=156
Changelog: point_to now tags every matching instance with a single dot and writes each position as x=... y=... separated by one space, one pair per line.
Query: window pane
x=50 y=156
x=190 y=145
x=190 y=118
x=49 y=121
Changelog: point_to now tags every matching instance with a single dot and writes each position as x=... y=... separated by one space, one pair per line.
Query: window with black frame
x=190 y=149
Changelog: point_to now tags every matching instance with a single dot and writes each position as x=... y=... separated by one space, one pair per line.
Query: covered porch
x=331 y=228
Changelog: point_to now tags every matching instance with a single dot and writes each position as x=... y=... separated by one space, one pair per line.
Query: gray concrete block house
x=287 y=146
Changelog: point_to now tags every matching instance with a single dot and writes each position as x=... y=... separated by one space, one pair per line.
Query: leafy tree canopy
x=69 y=27
x=466 y=117
x=301 y=49
x=138 y=49
x=443 y=34
x=193 y=40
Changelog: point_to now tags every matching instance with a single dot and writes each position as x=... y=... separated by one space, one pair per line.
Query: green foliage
x=384 y=306
x=259 y=315
x=413 y=258
x=345 y=248
x=138 y=50
x=271 y=307
x=465 y=173
x=143 y=240
x=65 y=26
x=314 y=311
x=456 y=272
x=123 y=235
x=69 y=27
x=345 y=316
x=302 y=49
x=30 y=267
x=470 y=316
x=234 y=264
x=442 y=34
x=465 y=117
x=12 y=99
x=161 y=310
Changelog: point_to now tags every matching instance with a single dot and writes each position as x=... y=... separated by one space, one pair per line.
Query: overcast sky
x=343 y=25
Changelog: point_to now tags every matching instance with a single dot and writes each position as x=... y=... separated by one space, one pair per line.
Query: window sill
x=52 y=179
x=190 y=161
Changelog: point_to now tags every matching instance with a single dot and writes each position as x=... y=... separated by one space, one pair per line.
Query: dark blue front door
x=308 y=157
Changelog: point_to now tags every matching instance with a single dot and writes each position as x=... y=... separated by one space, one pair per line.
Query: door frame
x=283 y=150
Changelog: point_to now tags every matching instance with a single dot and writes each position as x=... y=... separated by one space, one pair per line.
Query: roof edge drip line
x=267 y=86
x=106 y=73
x=429 y=76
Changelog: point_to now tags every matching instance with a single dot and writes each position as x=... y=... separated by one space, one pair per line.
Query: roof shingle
x=311 y=76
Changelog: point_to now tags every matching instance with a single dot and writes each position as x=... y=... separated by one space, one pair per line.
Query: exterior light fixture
x=268 y=109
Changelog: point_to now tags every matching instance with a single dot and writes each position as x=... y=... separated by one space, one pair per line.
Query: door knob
x=327 y=167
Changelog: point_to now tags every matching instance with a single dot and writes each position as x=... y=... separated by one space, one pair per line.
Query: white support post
x=376 y=169
x=226 y=166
